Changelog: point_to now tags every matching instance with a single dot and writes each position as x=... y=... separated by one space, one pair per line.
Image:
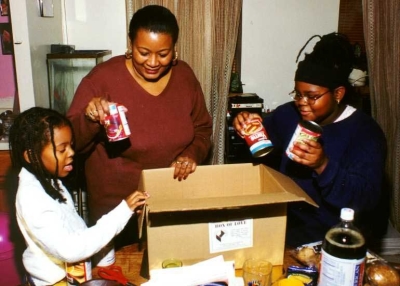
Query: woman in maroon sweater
x=166 y=113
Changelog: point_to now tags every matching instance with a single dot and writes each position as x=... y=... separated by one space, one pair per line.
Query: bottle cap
x=347 y=214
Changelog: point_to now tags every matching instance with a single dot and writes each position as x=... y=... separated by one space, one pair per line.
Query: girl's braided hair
x=31 y=131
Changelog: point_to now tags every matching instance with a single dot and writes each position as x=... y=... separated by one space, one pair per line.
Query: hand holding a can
x=184 y=166
x=111 y=115
x=240 y=122
x=305 y=147
x=250 y=127
x=98 y=108
x=309 y=153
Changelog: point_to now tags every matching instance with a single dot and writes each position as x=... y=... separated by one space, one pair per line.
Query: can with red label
x=304 y=130
x=257 y=138
x=115 y=123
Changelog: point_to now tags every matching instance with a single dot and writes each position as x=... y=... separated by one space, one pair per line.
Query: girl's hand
x=310 y=153
x=136 y=200
x=184 y=166
x=239 y=122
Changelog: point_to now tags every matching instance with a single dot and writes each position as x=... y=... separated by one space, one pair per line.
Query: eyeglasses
x=296 y=96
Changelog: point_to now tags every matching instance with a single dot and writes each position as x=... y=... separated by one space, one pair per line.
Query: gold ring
x=178 y=162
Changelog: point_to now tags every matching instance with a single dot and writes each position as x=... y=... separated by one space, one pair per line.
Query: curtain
x=382 y=38
x=207 y=42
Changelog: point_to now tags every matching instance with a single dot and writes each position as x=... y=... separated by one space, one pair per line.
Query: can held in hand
x=304 y=130
x=115 y=123
x=257 y=138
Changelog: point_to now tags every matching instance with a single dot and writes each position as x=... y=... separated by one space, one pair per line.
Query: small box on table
x=237 y=210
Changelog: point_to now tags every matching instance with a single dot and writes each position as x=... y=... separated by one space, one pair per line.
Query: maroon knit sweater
x=163 y=127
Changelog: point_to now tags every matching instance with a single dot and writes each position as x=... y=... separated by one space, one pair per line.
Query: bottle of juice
x=343 y=254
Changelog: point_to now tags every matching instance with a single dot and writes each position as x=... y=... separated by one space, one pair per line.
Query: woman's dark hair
x=154 y=18
x=31 y=131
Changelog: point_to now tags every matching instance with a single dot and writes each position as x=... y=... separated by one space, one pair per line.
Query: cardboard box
x=237 y=210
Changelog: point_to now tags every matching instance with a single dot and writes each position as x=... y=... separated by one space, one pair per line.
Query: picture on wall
x=4 y=7
x=6 y=38
x=46 y=8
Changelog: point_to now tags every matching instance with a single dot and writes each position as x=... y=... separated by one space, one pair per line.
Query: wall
x=7 y=76
x=33 y=36
x=104 y=21
x=42 y=33
x=274 y=31
x=86 y=24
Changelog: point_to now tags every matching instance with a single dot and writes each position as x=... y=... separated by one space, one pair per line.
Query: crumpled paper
x=202 y=273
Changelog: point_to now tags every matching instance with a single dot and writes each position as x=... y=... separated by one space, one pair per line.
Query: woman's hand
x=184 y=166
x=136 y=200
x=239 y=122
x=97 y=109
x=310 y=153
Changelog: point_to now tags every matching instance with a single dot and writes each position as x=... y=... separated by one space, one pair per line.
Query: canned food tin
x=304 y=130
x=171 y=263
x=115 y=123
x=77 y=273
x=257 y=138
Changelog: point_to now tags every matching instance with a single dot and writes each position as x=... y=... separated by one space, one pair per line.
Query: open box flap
x=219 y=186
x=221 y=202
x=289 y=185
x=141 y=218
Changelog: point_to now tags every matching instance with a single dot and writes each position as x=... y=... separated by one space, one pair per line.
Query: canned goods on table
x=77 y=273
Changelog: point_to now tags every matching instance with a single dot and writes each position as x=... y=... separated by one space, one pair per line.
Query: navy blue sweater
x=356 y=148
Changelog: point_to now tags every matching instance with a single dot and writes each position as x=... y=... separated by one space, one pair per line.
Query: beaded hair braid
x=31 y=131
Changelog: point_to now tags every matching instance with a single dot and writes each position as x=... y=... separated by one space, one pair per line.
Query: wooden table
x=130 y=259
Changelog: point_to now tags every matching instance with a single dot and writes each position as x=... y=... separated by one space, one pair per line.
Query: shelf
x=79 y=54
x=4 y=145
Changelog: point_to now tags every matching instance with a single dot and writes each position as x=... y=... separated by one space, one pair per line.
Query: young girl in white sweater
x=41 y=142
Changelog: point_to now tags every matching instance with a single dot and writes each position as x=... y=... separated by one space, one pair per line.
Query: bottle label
x=340 y=272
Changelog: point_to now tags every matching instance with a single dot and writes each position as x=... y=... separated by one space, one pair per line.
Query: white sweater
x=55 y=233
